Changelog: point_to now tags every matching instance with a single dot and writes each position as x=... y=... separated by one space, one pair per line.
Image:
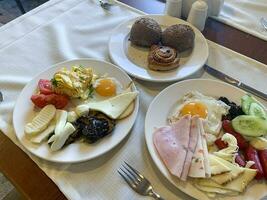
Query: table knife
x=234 y=82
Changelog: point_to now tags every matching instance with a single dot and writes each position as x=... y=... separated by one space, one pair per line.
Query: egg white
x=216 y=109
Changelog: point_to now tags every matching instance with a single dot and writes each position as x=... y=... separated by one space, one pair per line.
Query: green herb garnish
x=91 y=90
x=54 y=82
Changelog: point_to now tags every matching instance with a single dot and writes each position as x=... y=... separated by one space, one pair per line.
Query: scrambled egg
x=75 y=83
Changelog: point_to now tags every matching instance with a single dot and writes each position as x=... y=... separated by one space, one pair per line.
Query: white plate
x=134 y=59
x=76 y=152
x=158 y=112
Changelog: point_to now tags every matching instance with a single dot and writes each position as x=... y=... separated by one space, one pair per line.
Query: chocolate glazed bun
x=145 y=32
x=179 y=36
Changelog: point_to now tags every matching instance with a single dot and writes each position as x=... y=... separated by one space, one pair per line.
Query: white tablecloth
x=66 y=29
x=245 y=15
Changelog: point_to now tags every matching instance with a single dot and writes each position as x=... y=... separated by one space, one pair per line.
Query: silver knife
x=234 y=82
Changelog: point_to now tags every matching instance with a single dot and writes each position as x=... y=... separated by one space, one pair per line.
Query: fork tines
x=130 y=175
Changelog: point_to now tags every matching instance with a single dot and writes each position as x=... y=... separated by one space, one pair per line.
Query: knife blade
x=234 y=82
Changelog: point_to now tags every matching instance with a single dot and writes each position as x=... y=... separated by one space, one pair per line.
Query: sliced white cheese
x=228 y=176
x=216 y=166
x=112 y=107
x=41 y=120
x=45 y=134
x=197 y=167
x=72 y=116
x=61 y=119
x=60 y=139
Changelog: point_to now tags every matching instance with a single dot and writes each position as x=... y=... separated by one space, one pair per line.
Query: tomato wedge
x=45 y=86
x=41 y=100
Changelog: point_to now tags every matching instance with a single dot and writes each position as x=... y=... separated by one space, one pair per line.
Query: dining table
x=27 y=175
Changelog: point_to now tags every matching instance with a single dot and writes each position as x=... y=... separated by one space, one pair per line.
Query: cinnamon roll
x=162 y=58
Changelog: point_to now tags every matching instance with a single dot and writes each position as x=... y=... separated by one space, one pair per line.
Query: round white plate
x=160 y=109
x=78 y=151
x=133 y=59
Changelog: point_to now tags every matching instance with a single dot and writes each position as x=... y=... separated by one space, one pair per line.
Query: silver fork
x=263 y=23
x=137 y=181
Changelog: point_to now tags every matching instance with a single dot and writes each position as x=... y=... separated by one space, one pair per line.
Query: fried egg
x=208 y=108
x=106 y=87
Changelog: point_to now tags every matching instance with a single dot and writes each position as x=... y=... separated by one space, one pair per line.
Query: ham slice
x=193 y=140
x=197 y=167
x=172 y=142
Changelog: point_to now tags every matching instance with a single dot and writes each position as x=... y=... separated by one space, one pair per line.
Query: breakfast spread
x=165 y=46
x=77 y=104
x=215 y=144
x=162 y=58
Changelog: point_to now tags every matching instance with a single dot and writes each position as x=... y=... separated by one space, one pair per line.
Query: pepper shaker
x=173 y=8
x=198 y=14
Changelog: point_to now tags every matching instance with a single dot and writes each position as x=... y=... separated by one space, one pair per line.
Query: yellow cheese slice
x=216 y=166
x=228 y=176
x=240 y=183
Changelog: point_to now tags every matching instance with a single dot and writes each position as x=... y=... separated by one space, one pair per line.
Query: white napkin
x=245 y=15
x=62 y=30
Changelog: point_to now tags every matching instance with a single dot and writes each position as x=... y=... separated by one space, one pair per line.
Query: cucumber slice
x=250 y=125
x=41 y=120
x=246 y=100
x=257 y=110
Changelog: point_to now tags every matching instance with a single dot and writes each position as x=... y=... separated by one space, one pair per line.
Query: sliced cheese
x=45 y=134
x=205 y=149
x=240 y=183
x=228 y=176
x=216 y=166
x=197 y=167
x=112 y=107
x=215 y=190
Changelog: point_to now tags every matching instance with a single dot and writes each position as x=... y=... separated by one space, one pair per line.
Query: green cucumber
x=246 y=100
x=257 y=110
x=250 y=125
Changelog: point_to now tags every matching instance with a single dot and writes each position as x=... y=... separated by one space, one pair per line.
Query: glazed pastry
x=179 y=36
x=145 y=32
x=162 y=58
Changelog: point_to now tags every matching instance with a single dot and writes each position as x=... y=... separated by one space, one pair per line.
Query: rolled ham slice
x=193 y=139
x=172 y=142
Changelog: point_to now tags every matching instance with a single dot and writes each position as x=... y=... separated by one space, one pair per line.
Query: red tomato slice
x=45 y=86
x=41 y=100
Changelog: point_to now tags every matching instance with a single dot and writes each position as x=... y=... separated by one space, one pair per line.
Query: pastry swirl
x=162 y=58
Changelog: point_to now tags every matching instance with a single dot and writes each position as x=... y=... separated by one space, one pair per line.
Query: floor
x=9 y=11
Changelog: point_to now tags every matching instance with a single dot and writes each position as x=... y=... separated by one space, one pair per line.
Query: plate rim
x=146 y=119
x=136 y=111
x=153 y=79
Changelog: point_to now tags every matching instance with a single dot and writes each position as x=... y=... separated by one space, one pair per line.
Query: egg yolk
x=106 y=87
x=195 y=108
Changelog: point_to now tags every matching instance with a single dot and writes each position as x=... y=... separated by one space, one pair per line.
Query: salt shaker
x=173 y=8
x=216 y=6
x=198 y=14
